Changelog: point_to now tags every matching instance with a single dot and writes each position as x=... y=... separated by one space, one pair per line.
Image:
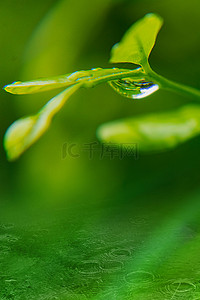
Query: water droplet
x=134 y=89
x=120 y=253
x=7 y=226
x=140 y=277
x=10 y=280
x=89 y=267
x=139 y=221
x=178 y=287
x=96 y=69
x=112 y=266
x=4 y=250
x=8 y=238
x=94 y=244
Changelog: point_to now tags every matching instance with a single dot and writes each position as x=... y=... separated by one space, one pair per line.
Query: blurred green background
x=80 y=228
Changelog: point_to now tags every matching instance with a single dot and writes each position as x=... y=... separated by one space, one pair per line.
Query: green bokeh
x=81 y=228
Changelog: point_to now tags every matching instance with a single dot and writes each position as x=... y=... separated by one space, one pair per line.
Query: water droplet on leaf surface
x=89 y=268
x=133 y=89
x=139 y=277
x=112 y=266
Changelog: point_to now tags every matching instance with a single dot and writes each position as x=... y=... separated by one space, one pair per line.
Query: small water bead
x=179 y=286
x=134 y=89
x=120 y=253
x=8 y=238
x=179 y=289
x=110 y=266
x=90 y=267
x=96 y=69
x=139 y=277
x=6 y=226
x=4 y=250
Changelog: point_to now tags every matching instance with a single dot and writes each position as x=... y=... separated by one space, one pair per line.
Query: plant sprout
x=153 y=132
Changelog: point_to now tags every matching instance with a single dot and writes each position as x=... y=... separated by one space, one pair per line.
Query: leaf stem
x=103 y=75
x=99 y=76
x=170 y=85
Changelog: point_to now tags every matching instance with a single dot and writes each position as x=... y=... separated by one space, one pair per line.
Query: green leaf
x=137 y=43
x=45 y=84
x=155 y=132
x=25 y=131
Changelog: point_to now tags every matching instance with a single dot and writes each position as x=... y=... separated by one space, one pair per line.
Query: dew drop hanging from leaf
x=133 y=89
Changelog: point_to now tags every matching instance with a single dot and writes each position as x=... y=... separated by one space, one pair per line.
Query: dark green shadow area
x=103 y=253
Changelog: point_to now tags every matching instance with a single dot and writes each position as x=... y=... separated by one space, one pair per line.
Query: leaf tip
x=15 y=139
x=10 y=88
x=155 y=16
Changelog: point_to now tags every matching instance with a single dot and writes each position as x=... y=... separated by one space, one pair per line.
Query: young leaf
x=137 y=43
x=45 y=84
x=25 y=131
x=155 y=132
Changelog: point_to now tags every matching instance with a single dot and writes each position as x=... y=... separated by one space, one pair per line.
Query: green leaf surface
x=137 y=43
x=25 y=131
x=154 y=132
x=45 y=84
